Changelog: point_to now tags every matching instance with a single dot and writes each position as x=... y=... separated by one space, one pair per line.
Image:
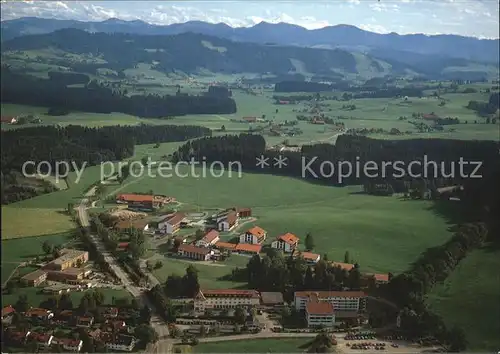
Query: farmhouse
x=225 y=246
x=171 y=224
x=196 y=253
x=225 y=299
x=228 y=222
x=138 y=224
x=255 y=235
x=246 y=248
x=319 y=313
x=143 y=201
x=348 y=301
x=287 y=242
x=210 y=239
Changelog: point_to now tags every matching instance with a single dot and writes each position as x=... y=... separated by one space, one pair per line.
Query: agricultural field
x=29 y=222
x=282 y=345
x=469 y=299
x=340 y=219
x=369 y=113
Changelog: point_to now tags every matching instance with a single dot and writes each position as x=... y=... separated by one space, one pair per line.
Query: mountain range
x=192 y=53
x=347 y=37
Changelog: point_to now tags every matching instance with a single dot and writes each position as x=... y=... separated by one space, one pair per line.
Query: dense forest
x=78 y=145
x=93 y=97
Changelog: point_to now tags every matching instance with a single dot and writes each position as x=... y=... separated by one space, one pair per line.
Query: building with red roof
x=320 y=313
x=287 y=242
x=345 y=301
x=248 y=248
x=254 y=235
x=228 y=222
x=209 y=239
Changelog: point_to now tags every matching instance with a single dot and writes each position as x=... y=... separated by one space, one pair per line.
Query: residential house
x=84 y=321
x=210 y=239
x=7 y=314
x=225 y=246
x=246 y=248
x=196 y=253
x=310 y=258
x=287 y=242
x=347 y=301
x=171 y=223
x=39 y=313
x=138 y=224
x=225 y=299
x=43 y=339
x=118 y=342
x=34 y=278
x=319 y=313
x=254 y=235
x=228 y=222
x=69 y=344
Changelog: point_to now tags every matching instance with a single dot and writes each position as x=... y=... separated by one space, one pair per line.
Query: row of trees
x=486 y=108
x=22 y=89
x=408 y=289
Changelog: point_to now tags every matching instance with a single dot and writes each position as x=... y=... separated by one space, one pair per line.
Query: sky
x=475 y=18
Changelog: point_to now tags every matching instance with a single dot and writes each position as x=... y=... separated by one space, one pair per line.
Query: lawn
x=28 y=222
x=207 y=274
x=469 y=299
x=282 y=345
x=339 y=219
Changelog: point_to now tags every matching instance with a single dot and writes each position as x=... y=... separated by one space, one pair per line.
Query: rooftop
x=309 y=256
x=68 y=255
x=226 y=245
x=327 y=294
x=345 y=266
x=271 y=298
x=135 y=197
x=231 y=293
x=319 y=308
x=257 y=231
x=132 y=224
x=7 y=310
x=288 y=238
x=34 y=275
x=175 y=218
x=246 y=247
x=194 y=249
x=210 y=236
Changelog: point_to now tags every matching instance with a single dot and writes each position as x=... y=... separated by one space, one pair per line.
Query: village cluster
x=113 y=331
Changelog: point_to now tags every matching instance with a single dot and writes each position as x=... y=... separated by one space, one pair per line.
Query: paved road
x=164 y=344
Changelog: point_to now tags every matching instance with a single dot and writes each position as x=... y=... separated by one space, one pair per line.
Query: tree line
x=93 y=97
x=486 y=108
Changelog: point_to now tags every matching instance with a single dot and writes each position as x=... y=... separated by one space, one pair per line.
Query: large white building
x=209 y=239
x=171 y=224
x=348 y=301
x=225 y=299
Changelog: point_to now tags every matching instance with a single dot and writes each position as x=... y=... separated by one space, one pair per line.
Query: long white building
x=225 y=299
x=341 y=300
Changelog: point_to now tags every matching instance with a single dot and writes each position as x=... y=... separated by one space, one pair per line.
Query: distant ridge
x=338 y=36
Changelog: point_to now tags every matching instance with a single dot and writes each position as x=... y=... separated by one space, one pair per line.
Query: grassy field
x=339 y=219
x=282 y=345
x=469 y=299
x=15 y=251
x=27 y=222
x=208 y=273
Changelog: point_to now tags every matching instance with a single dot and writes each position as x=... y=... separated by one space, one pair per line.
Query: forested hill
x=186 y=52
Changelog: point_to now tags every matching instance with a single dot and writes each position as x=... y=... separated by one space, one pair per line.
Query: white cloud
x=374 y=28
